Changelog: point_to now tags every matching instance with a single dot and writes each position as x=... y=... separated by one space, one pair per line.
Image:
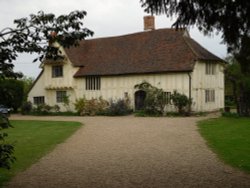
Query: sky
x=104 y=17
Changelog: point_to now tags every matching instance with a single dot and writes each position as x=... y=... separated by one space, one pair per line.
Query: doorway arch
x=140 y=97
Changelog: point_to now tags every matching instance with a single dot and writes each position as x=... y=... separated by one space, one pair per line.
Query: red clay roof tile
x=157 y=51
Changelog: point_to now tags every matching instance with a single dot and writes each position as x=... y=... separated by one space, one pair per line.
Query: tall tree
x=240 y=85
x=27 y=84
x=11 y=93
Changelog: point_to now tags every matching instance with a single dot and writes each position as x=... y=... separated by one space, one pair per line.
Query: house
x=111 y=67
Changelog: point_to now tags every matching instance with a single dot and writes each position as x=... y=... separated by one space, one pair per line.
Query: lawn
x=230 y=139
x=34 y=139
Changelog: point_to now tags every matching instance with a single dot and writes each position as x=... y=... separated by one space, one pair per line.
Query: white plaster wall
x=201 y=82
x=115 y=87
x=38 y=89
x=47 y=86
x=67 y=81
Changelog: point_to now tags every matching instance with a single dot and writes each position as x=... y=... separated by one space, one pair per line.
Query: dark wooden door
x=139 y=99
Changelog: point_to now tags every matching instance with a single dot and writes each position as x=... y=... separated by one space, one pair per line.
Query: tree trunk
x=236 y=98
x=244 y=103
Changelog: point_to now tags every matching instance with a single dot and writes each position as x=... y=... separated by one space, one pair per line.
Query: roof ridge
x=136 y=33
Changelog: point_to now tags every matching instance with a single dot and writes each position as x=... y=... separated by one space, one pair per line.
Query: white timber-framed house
x=110 y=68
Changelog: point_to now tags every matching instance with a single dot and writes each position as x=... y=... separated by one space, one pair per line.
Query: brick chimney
x=149 y=23
x=53 y=36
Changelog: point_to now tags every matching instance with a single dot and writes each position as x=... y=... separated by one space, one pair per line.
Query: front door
x=139 y=99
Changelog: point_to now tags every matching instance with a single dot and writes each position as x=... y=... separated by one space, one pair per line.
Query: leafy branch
x=35 y=33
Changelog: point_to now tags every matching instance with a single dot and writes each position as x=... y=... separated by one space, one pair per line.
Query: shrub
x=229 y=102
x=6 y=150
x=173 y=114
x=67 y=113
x=80 y=105
x=181 y=102
x=230 y=114
x=95 y=106
x=66 y=102
x=155 y=101
x=11 y=93
x=26 y=108
x=140 y=113
x=56 y=108
x=91 y=107
x=42 y=109
x=118 y=108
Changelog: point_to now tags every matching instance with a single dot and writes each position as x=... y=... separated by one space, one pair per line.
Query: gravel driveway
x=130 y=152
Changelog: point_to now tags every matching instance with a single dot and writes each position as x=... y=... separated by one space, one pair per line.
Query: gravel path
x=130 y=152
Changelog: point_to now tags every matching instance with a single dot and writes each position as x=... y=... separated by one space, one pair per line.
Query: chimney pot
x=149 y=23
x=53 y=34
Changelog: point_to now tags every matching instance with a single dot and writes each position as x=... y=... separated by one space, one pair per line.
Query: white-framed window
x=38 y=100
x=60 y=96
x=93 y=83
x=210 y=68
x=209 y=95
x=57 y=71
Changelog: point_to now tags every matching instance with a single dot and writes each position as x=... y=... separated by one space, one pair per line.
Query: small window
x=209 y=95
x=38 y=100
x=125 y=94
x=168 y=97
x=57 y=71
x=60 y=96
x=210 y=68
x=93 y=83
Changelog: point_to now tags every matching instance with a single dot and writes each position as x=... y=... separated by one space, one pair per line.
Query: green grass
x=32 y=140
x=230 y=139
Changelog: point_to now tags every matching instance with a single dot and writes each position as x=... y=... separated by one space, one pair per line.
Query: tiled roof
x=157 y=51
x=200 y=52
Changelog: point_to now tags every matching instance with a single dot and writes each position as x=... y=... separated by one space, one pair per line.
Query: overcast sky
x=104 y=17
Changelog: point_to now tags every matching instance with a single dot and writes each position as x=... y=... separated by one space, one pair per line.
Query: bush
x=173 y=114
x=43 y=109
x=11 y=93
x=100 y=106
x=80 y=105
x=6 y=150
x=26 y=108
x=140 y=113
x=91 y=107
x=230 y=114
x=155 y=101
x=67 y=113
x=229 y=102
x=55 y=108
x=118 y=108
x=181 y=102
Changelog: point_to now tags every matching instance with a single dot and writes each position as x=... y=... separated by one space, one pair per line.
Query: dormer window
x=57 y=71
